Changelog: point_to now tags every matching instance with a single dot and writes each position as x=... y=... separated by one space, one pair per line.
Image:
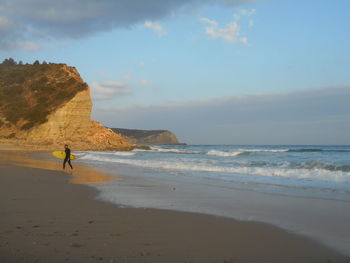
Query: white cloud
x=29 y=46
x=244 y=40
x=251 y=23
x=157 y=28
x=144 y=81
x=108 y=89
x=18 y=44
x=249 y=14
x=232 y=32
x=236 y=17
x=208 y=21
x=127 y=77
x=5 y=24
x=246 y=12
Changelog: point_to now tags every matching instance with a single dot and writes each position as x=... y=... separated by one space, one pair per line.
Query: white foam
x=172 y=150
x=224 y=154
x=106 y=153
x=242 y=151
x=124 y=153
x=316 y=174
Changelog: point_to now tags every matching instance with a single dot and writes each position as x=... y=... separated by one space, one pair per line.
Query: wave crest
x=243 y=151
x=223 y=154
x=172 y=150
x=301 y=173
x=324 y=166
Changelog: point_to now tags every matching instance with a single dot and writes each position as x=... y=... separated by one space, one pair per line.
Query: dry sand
x=44 y=218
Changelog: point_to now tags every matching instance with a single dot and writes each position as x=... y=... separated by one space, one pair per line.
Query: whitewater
x=304 y=189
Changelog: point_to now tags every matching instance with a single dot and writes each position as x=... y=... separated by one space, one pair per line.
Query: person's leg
x=70 y=164
x=64 y=163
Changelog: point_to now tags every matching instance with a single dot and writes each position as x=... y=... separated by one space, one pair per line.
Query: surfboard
x=62 y=155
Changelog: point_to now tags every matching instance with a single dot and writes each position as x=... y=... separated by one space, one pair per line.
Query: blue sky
x=137 y=55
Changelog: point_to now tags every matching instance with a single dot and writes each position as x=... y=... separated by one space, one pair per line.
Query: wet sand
x=45 y=218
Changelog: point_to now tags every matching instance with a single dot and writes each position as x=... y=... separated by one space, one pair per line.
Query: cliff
x=148 y=136
x=48 y=105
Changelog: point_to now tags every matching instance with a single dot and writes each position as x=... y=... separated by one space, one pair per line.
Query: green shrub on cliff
x=31 y=92
x=9 y=62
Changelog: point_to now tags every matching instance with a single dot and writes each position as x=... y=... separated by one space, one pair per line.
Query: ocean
x=304 y=189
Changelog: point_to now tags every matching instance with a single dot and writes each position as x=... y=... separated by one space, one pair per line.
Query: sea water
x=304 y=189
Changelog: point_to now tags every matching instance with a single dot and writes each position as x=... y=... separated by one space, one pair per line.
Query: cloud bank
x=24 y=20
x=316 y=116
x=108 y=89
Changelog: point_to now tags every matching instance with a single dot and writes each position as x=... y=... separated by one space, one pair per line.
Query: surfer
x=67 y=159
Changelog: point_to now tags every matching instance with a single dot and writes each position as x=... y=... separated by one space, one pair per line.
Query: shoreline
x=67 y=223
x=261 y=184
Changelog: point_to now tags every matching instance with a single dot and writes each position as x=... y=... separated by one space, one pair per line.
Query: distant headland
x=158 y=137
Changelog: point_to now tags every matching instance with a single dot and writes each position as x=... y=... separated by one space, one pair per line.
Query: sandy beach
x=47 y=218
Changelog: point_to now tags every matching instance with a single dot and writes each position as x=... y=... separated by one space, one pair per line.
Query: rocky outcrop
x=148 y=136
x=69 y=123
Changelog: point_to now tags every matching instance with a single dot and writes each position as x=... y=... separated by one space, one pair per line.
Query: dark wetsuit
x=67 y=159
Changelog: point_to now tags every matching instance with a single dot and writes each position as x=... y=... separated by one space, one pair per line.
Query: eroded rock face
x=69 y=124
x=102 y=138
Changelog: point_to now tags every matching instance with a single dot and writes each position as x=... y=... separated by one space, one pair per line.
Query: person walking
x=67 y=159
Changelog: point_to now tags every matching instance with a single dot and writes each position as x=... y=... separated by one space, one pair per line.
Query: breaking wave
x=111 y=153
x=247 y=151
x=243 y=151
x=174 y=150
x=304 y=171
x=224 y=154
x=323 y=166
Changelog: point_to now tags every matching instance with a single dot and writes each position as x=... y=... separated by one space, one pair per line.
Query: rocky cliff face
x=68 y=123
x=71 y=124
x=148 y=136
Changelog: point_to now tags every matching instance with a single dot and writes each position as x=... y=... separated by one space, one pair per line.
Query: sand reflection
x=81 y=174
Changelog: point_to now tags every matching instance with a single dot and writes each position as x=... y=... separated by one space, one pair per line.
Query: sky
x=211 y=71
